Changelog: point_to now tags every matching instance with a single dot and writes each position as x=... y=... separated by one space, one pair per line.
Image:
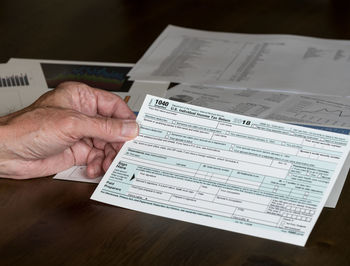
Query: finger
x=81 y=150
x=117 y=146
x=92 y=101
x=80 y=126
x=110 y=154
x=94 y=164
x=83 y=98
x=99 y=144
x=111 y=105
x=88 y=141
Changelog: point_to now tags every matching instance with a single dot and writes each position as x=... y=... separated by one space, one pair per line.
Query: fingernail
x=130 y=128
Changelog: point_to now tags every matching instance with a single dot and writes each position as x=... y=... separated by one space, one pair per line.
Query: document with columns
x=224 y=170
x=267 y=62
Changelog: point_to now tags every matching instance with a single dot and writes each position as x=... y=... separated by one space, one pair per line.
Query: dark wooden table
x=49 y=222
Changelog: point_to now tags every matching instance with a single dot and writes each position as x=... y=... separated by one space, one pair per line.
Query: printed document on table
x=329 y=112
x=269 y=62
x=77 y=173
x=224 y=170
x=20 y=86
x=248 y=102
x=322 y=112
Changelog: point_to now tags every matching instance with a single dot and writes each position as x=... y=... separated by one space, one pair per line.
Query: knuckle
x=72 y=87
x=108 y=126
x=67 y=120
x=68 y=85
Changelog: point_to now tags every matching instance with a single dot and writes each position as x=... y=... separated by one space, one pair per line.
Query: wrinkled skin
x=71 y=125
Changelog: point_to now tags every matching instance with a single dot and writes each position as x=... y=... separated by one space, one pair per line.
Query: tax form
x=258 y=61
x=224 y=170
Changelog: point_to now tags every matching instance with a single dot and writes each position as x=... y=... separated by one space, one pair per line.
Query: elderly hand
x=71 y=125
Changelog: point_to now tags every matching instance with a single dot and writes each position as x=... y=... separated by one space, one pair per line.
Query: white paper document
x=314 y=110
x=246 y=102
x=269 y=62
x=327 y=112
x=20 y=86
x=77 y=173
x=224 y=170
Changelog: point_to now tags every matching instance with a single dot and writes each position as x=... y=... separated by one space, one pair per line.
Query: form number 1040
x=163 y=103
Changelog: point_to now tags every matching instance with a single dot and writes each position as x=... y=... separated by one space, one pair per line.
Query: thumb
x=104 y=128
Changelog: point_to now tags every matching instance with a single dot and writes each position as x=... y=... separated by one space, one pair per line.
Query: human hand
x=71 y=125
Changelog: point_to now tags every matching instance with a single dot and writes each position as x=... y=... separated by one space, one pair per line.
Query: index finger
x=111 y=105
x=88 y=100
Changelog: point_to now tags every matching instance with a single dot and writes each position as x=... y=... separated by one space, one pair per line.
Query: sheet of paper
x=325 y=112
x=244 y=101
x=77 y=173
x=328 y=111
x=224 y=170
x=269 y=62
x=19 y=86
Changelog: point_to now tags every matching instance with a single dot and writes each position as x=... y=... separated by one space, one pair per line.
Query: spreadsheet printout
x=223 y=170
x=270 y=62
x=331 y=113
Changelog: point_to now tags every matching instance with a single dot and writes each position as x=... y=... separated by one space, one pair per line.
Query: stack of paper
x=234 y=172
